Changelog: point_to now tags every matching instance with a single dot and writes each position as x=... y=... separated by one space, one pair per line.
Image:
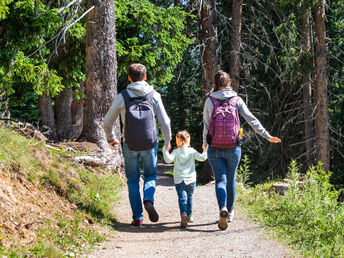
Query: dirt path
x=201 y=239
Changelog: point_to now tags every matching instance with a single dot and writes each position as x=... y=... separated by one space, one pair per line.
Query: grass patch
x=95 y=193
x=169 y=173
x=308 y=217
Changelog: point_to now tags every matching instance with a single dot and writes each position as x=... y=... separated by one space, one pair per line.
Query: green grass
x=94 y=193
x=169 y=173
x=308 y=218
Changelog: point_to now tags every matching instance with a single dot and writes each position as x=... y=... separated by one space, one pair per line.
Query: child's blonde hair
x=184 y=137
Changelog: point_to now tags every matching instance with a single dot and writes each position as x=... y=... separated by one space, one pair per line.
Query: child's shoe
x=223 y=219
x=184 y=221
x=231 y=216
x=153 y=215
x=136 y=223
x=190 y=219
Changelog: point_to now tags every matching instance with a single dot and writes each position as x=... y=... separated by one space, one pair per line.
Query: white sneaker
x=190 y=219
x=223 y=219
x=231 y=216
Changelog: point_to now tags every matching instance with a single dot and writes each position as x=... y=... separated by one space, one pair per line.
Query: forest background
x=285 y=58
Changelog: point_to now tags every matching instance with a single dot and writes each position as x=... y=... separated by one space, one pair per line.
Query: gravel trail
x=201 y=239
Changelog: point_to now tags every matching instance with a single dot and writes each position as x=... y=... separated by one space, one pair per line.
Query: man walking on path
x=138 y=106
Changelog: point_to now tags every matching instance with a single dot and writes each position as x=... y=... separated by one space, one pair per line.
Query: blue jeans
x=185 y=195
x=132 y=172
x=224 y=163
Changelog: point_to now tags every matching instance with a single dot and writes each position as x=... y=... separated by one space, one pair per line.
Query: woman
x=223 y=155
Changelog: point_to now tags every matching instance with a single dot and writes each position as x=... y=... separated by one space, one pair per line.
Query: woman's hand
x=274 y=139
x=203 y=147
x=113 y=144
x=168 y=147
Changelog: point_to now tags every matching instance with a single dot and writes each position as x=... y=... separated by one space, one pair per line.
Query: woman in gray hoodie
x=224 y=161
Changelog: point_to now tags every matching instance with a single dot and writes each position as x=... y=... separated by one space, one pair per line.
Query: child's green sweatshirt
x=184 y=163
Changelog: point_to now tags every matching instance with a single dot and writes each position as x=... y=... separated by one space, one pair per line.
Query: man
x=138 y=105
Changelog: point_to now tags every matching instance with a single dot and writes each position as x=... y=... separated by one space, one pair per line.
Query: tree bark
x=63 y=104
x=101 y=68
x=47 y=115
x=321 y=98
x=234 y=61
x=306 y=35
x=209 y=43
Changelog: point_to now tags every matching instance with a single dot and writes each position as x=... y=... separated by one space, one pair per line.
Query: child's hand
x=274 y=140
x=168 y=147
x=203 y=147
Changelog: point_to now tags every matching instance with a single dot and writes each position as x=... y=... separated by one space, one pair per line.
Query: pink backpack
x=224 y=125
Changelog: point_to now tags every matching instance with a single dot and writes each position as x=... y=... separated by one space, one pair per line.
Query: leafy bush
x=308 y=216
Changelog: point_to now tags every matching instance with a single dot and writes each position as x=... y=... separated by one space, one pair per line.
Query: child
x=184 y=173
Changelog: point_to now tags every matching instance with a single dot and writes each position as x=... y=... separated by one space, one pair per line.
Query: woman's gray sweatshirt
x=137 y=89
x=240 y=106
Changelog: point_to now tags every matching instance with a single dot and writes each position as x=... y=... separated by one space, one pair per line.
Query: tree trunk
x=101 y=68
x=209 y=43
x=234 y=62
x=321 y=98
x=77 y=110
x=307 y=89
x=63 y=104
x=47 y=115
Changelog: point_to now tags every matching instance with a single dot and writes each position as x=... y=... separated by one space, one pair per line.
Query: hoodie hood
x=223 y=94
x=140 y=88
x=184 y=155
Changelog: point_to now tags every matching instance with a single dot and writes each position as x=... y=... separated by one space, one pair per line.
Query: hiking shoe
x=136 y=223
x=223 y=219
x=153 y=215
x=231 y=216
x=184 y=221
x=190 y=219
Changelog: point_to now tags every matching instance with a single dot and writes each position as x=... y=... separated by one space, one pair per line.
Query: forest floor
x=202 y=238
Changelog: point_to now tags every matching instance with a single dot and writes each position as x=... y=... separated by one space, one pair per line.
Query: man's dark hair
x=137 y=72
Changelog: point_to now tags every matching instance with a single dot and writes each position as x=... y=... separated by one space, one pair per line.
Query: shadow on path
x=175 y=226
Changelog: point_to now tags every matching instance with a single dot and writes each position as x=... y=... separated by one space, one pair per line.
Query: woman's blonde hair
x=184 y=137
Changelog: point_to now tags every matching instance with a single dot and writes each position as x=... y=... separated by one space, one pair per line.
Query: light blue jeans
x=185 y=195
x=224 y=163
x=132 y=172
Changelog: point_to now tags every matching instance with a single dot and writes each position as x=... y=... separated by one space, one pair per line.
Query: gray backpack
x=140 y=126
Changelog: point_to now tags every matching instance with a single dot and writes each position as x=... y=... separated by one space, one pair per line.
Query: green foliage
x=243 y=172
x=4 y=10
x=308 y=216
x=335 y=27
x=150 y=35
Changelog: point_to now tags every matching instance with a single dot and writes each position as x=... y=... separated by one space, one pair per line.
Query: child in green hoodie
x=184 y=173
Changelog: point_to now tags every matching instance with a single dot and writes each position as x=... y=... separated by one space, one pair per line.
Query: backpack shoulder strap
x=126 y=97
x=150 y=95
x=234 y=100
x=215 y=101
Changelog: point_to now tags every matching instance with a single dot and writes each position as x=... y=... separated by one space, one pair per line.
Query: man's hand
x=168 y=147
x=274 y=140
x=203 y=147
x=113 y=144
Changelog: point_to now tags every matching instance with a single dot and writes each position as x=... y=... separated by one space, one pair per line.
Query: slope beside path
x=201 y=239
